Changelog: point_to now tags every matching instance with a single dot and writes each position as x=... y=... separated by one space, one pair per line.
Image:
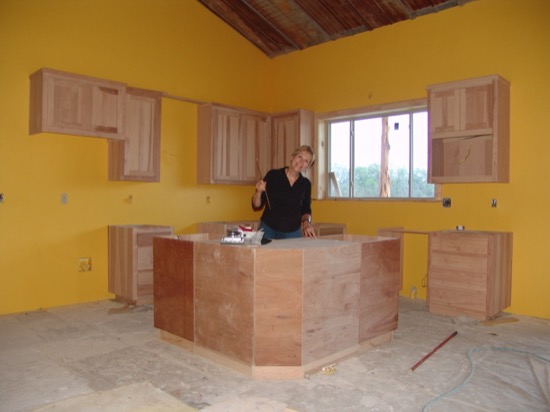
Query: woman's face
x=301 y=161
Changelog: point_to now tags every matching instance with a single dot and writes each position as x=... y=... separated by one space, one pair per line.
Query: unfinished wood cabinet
x=469 y=131
x=469 y=273
x=280 y=310
x=131 y=261
x=232 y=144
x=79 y=105
x=137 y=157
x=289 y=130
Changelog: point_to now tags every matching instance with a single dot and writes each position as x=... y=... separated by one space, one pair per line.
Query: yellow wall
x=506 y=37
x=179 y=47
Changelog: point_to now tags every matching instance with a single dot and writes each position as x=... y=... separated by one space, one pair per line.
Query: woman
x=285 y=196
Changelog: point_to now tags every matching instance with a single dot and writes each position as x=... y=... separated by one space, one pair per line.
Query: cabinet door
x=289 y=131
x=226 y=145
x=231 y=144
x=137 y=158
x=462 y=111
x=255 y=147
x=72 y=104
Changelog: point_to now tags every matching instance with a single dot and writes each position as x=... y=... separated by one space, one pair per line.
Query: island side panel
x=278 y=307
x=224 y=299
x=331 y=300
x=380 y=280
x=173 y=286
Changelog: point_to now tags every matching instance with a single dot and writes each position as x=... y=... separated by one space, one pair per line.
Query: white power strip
x=233 y=240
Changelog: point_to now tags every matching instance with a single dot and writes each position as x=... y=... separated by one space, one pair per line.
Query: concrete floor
x=105 y=356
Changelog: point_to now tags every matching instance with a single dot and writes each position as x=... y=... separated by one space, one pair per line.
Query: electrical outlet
x=494 y=203
x=85 y=264
x=446 y=202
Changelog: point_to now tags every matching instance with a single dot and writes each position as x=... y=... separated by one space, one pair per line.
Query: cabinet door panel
x=107 y=109
x=66 y=104
x=477 y=106
x=226 y=146
x=254 y=135
x=444 y=111
x=137 y=158
x=286 y=138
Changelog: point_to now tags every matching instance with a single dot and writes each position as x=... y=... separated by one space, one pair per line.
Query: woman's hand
x=307 y=229
x=260 y=186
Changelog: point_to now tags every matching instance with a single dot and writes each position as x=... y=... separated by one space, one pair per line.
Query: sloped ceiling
x=278 y=27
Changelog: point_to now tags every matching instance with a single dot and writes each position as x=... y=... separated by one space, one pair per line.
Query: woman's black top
x=288 y=203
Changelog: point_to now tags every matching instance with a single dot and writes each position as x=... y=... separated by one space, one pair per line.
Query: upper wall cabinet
x=469 y=129
x=232 y=145
x=137 y=157
x=290 y=130
x=73 y=104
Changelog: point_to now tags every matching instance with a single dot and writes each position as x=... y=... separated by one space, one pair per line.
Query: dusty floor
x=104 y=356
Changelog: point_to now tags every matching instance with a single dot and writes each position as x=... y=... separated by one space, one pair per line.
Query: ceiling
x=278 y=27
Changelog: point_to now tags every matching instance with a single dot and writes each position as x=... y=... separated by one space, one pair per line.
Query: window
x=378 y=154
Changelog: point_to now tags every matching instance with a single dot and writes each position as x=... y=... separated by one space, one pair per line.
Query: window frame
x=321 y=186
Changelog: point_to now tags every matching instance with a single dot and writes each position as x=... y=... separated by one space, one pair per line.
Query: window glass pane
x=339 y=159
x=368 y=141
x=382 y=155
x=420 y=185
x=399 y=140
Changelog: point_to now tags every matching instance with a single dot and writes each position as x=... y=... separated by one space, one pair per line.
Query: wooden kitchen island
x=280 y=310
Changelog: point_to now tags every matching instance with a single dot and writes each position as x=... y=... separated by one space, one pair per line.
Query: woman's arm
x=257 y=202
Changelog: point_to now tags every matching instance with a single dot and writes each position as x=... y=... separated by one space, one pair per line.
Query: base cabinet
x=280 y=310
x=131 y=261
x=470 y=273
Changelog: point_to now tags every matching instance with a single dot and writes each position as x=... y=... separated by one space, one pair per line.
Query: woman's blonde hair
x=304 y=148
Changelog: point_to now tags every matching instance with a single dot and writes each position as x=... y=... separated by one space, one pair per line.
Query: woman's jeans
x=270 y=233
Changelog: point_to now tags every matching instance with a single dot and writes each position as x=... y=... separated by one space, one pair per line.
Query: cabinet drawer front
x=145 y=283
x=466 y=243
x=145 y=258
x=457 y=280
x=455 y=301
x=453 y=262
x=145 y=278
x=146 y=239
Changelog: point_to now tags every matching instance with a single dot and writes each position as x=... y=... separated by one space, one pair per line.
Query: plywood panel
x=380 y=285
x=331 y=300
x=224 y=299
x=278 y=307
x=173 y=286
